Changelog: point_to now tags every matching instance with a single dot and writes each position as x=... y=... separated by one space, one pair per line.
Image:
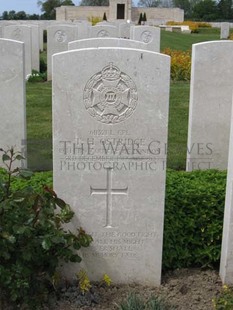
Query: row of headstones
x=110 y=118
x=29 y=35
x=60 y=36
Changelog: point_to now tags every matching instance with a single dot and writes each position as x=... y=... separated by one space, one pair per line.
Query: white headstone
x=110 y=117
x=124 y=30
x=106 y=42
x=21 y=33
x=103 y=31
x=210 y=105
x=41 y=34
x=147 y=34
x=58 y=37
x=83 y=30
x=12 y=99
x=35 y=47
x=226 y=262
x=225 y=30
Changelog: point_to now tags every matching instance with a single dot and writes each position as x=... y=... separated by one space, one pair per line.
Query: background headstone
x=35 y=47
x=83 y=30
x=124 y=30
x=12 y=99
x=147 y=34
x=103 y=31
x=225 y=30
x=210 y=105
x=110 y=117
x=106 y=42
x=58 y=37
x=21 y=33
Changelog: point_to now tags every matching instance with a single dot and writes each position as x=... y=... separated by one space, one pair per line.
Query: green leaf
x=75 y=259
x=24 y=173
x=46 y=244
x=61 y=203
x=76 y=245
x=19 y=157
x=5 y=157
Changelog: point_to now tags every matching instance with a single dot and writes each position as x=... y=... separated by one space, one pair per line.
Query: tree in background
x=140 y=19
x=21 y=15
x=225 y=10
x=105 y=17
x=184 y=5
x=144 y=17
x=94 y=3
x=48 y=7
x=205 y=10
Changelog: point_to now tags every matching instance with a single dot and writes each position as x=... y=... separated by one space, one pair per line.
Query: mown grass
x=39 y=125
x=39 y=110
x=182 y=41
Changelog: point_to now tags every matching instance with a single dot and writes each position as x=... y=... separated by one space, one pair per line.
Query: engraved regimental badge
x=110 y=96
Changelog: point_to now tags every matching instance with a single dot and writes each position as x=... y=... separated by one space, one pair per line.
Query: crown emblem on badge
x=111 y=72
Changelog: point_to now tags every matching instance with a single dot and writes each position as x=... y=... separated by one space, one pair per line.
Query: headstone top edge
x=111 y=48
x=12 y=41
x=213 y=42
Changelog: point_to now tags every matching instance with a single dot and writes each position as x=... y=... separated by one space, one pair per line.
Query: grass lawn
x=39 y=111
x=39 y=125
x=182 y=41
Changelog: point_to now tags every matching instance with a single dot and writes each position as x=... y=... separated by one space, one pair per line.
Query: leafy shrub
x=43 y=65
x=37 y=77
x=193 y=218
x=94 y=20
x=180 y=64
x=225 y=299
x=193 y=26
x=194 y=208
x=203 y=25
x=33 y=241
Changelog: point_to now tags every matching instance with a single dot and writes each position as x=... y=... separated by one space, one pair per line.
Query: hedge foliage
x=193 y=26
x=193 y=223
x=194 y=211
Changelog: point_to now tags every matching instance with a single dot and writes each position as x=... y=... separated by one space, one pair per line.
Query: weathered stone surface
x=12 y=99
x=110 y=117
x=35 y=47
x=210 y=105
x=58 y=37
x=107 y=42
x=147 y=34
x=124 y=30
x=226 y=263
x=21 y=33
x=103 y=31
x=225 y=30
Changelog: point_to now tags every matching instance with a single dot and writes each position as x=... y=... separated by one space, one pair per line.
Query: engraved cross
x=109 y=191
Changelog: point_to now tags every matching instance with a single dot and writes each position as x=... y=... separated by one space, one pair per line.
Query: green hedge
x=193 y=216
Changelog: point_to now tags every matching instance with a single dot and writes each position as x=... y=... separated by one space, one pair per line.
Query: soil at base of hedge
x=184 y=289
